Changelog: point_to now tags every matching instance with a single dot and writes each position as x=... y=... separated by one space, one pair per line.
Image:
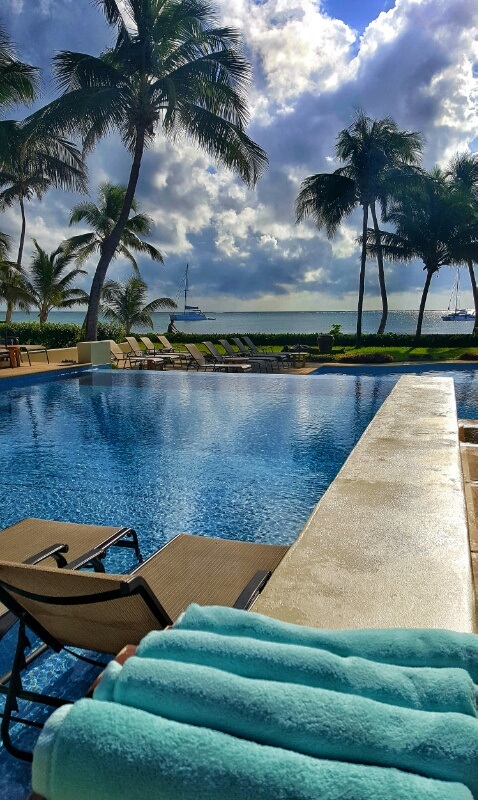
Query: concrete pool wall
x=387 y=545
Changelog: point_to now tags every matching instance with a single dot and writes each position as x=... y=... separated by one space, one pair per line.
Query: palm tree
x=49 y=283
x=432 y=220
x=463 y=172
x=12 y=281
x=125 y=303
x=171 y=69
x=377 y=157
x=33 y=161
x=102 y=219
x=18 y=81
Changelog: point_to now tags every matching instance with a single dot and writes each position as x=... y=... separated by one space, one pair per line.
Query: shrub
x=53 y=335
x=468 y=356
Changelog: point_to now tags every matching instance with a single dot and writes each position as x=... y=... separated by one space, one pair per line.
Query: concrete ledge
x=387 y=546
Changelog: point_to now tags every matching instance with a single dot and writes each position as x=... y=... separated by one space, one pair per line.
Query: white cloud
x=414 y=62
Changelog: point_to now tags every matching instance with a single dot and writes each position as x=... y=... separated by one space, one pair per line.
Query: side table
x=298 y=360
x=15 y=355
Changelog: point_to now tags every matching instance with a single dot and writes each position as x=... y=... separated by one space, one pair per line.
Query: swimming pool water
x=242 y=456
x=219 y=455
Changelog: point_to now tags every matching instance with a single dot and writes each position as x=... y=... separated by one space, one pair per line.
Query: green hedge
x=343 y=339
x=53 y=335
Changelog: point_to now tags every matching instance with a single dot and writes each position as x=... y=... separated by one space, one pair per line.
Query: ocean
x=282 y=322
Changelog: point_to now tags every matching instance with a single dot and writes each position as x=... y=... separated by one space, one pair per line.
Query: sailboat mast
x=186 y=287
x=457 y=298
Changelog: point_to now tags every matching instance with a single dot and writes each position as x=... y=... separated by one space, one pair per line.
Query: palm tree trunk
x=381 y=271
x=112 y=241
x=358 y=339
x=423 y=301
x=22 y=234
x=10 y=304
x=475 y=294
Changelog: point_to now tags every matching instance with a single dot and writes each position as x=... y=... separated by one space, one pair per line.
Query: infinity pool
x=242 y=456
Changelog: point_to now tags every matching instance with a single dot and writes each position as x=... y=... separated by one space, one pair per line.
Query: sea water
x=298 y=322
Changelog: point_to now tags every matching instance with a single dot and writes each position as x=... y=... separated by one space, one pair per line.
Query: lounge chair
x=173 y=357
x=4 y=356
x=232 y=364
x=101 y=612
x=269 y=363
x=284 y=357
x=125 y=360
x=33 y=348
x=31 y=540
x=167 y=344
x=276 y=357
x=199 y=361
x=137 y=352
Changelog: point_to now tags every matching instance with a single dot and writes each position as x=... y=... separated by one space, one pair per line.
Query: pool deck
x=387 y=545
x=36 y=368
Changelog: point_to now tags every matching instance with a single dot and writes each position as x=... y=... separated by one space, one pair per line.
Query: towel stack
x=230 y=705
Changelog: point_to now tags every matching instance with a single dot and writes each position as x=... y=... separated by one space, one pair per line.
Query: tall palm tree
x=432 y=219
x=463 y=172
x=33 y=161
x=49 y=282
x=172 y=69
x=377 y=158
x=125 y=303
x=102 y=218
x=18 y=81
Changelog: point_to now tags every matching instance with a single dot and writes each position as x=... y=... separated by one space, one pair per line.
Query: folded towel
x=423 y=688
x=314 y=722
x=103 y=751
x=409 y=647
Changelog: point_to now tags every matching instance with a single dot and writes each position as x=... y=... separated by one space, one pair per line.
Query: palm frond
x=327 y=199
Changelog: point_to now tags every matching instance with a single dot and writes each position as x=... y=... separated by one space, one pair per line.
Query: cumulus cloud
x=311 y=71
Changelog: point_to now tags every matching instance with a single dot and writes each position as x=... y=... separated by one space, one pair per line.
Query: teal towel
x=408 y=647
x=103 y=751
x=314 y=722
x=423 y=688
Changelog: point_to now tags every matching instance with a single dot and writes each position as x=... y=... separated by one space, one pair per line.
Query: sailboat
x=190 y=313
x=455 y=314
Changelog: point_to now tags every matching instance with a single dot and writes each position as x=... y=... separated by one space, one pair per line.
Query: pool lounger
x=32 y=540
x=33 y=348
x=102 y=612
x=283 y=357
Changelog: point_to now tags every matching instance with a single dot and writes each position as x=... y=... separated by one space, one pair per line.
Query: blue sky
x=356 y=13
x=314 y=63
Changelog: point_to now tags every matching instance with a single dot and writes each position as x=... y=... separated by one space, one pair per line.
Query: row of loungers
x=242 y=360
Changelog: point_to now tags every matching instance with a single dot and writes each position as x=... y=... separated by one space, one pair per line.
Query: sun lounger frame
x=132 y=585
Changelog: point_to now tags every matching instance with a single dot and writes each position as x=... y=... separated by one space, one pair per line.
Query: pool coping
x=387 y=545
x=35 y=376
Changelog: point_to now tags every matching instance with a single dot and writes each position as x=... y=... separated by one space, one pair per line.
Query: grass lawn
x=416 y=353
x=397 y=353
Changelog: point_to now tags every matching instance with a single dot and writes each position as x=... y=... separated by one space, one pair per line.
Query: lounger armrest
x=54 y=551
x=252 y=590
x=92 y=557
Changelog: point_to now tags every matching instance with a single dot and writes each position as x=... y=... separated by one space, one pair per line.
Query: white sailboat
x=455 y=314
x=190 y=313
